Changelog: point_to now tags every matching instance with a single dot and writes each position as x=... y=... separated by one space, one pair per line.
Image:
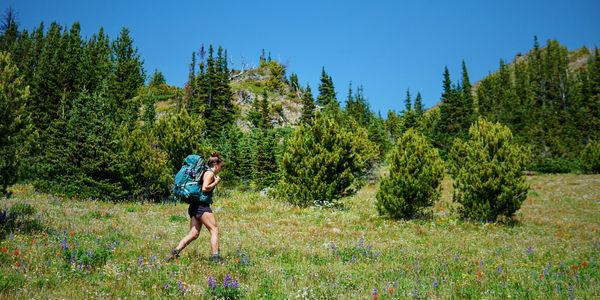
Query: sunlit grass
x=277 y=251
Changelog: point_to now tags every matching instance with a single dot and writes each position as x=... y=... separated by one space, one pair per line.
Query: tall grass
x=273 y=250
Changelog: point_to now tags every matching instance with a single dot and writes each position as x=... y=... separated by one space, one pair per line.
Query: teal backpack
x=188 y=181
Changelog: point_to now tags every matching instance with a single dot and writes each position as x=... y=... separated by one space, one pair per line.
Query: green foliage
x=590 y=157
x=180 y=135
x=21 y=217
x=488 y=172
x=416 y=173
x=276 y=81
x=308 y=106
x=145 y=168
x=14 y=120
x=324 y=162
x=265 y=164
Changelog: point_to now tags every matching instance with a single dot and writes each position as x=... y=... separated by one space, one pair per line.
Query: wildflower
x=476 y=262
x=396 y=284
x=11 y=236
x=4 y=249
x=390 y=290
x=361 y=242
x=226 y=280
x=584 y=264
x=71 y=234
x=435 y=283
x=140 y=261
x=16 y=252
x=333 y=247
x=478 y=277
x=18 y=263
x=455 y=257
x=180 y=285
x=212 y=284
x=542 y=276
x=237 y=260
x=167 y=286
x=529 y=250
x=375 y=294
x=233 y=284
x=64 y=244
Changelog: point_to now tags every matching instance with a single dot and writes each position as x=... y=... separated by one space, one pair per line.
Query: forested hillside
x=83 y=119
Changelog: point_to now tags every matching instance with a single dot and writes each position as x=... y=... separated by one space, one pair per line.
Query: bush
x=21 y=217
x=324 y=162
x=416 y=172
x=590 y=157
x=554 y=165
x=488 y=172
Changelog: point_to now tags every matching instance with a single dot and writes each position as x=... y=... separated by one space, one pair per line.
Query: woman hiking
x=201 y=214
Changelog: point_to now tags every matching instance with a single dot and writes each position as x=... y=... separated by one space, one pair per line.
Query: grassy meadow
x=90 y=249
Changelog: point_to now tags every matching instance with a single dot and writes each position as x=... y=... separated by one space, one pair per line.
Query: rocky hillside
x=248 y=86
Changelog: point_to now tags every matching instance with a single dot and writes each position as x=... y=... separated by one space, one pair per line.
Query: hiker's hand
x=217 y=179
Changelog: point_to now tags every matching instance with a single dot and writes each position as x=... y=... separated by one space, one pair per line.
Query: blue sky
x=385 y=46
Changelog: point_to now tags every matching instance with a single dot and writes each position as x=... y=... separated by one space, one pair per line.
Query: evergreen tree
x=418 y=107
x=488 y=172
x=326 y=90
x=190 y=85
x=378 y=135
x=14 y=120
x=392 y=125
x=157 y=79
x=324 y=162
x=416 y=174
x=129 y=76
x=308 y=106
x=265 y=166
x=409 y=115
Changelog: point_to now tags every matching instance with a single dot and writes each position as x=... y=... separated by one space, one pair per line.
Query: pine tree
x=308 y=106
x=326 y=90
x=416 y=174
x=324 y=162
x=418 y=107
x=190 y=85
x=14 y=120
x=409 y=115
x=265 y=166
x=488 y=172
x=129 y=76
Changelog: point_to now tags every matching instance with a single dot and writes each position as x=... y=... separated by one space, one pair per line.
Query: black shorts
x=197 y=210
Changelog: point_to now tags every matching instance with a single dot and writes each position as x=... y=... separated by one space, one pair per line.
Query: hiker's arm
x=210 y=177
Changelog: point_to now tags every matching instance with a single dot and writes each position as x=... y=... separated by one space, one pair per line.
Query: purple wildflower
x=396 y=284
x=64 y=244
x=212 y=284
x=180 y=285
x=140 y=261
x=530 y=250
x=226 y=280
x=375 y=294
x=499 y=270
x=435 y=283
x=455 y=257
x=333 y=247
x=361 y=242
x=233 y=284
x=167 y=286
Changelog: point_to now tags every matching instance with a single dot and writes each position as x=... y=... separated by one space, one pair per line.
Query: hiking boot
x=216 y=258
x=174 y=255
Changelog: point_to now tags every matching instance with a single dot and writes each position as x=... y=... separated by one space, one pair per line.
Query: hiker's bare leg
x=208 y=219
x=195 y=226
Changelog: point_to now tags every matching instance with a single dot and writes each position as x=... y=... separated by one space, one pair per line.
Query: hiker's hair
x=215 y=158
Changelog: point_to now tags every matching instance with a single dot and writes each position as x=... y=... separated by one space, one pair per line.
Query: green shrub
x=488 y=172
x=590 y=157
x=324 y=162
x=21 y=217
x=554 y=165
x=416 y=172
